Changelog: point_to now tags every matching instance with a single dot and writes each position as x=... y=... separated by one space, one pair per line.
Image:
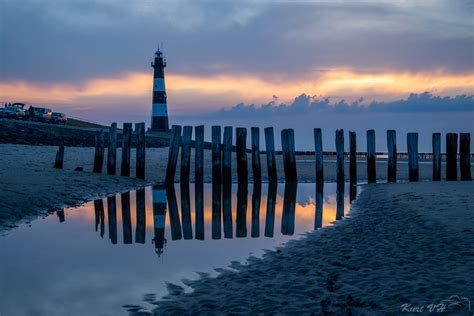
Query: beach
x=49 y=188
x=404 y=248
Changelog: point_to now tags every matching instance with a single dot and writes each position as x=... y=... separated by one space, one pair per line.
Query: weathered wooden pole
x=227 y=182
x=392 y=156
x=175 y=142
x=241 y=149
x=126 y=218
x=371 y=157
x=216 y=182
x=199 y=181
x=140 y=228
x=436 y=156
x=256 y=168
x=270 y=148
x=289 y=159
x=352 y=158
x=141 y=148
x=112 y=150
x=412 y=146
x=340 y=155
x=465 y=156
x=270 y=215
x=99 y=151
x=126 y=143
x=451 y=156
x=58 y=163
x=186 y=155
x=318 y=151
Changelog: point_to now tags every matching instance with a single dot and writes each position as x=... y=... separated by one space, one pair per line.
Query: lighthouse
x=159 y=115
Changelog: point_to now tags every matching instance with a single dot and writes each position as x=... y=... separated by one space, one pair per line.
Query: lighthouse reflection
x=258 y=207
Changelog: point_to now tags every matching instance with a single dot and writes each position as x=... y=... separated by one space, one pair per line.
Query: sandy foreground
x=30 y=187
x=404 y=247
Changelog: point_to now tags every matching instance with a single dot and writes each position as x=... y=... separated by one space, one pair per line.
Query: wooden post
x=140 y=154
x=175 y=223
x=270 y=215
x=289 y=159
x=436 y=156
x=412 y=146
x=352 y=158
x=199 y=181
x=318 y=218
x=392 y=156
x=126 y=218
x=465 y=156
x=340 y=155
x=112 y=214
x=175 y=142
x=318 y=150
x=186 y=155
x=227 y=182
x=126 y=143
x=288 y=212
x=99 y=152
x=227 y=156
x=270 y=148
x=241 y=218
x=256 y=197
x=99 y=211
x=241 y=148
x=140 y=229
x=216 y=182
x=451 y=156
x=256 y=168
x=112 y=149
x=58 y=163
x=371 y=157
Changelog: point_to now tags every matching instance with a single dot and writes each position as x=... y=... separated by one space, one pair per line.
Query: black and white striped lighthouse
x=159 y=217
x=159 y=119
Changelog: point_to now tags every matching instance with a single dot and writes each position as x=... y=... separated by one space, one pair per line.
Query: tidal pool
x=114 y=256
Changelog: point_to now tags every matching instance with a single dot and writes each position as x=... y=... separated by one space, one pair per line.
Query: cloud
x=310 y=105
x=73 y=41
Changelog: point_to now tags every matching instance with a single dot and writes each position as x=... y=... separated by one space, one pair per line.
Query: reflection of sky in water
x=67 y=268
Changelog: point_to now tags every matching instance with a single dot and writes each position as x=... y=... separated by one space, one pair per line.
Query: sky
x=91 y=59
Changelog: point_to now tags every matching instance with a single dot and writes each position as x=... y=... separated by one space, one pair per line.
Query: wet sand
x=404 y=246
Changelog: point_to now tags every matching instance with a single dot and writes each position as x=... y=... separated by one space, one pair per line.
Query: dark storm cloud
x=75 y=40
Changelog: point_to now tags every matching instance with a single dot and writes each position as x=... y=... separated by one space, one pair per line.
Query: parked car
x=13 y=113
x=40 y=114
x=58 y=118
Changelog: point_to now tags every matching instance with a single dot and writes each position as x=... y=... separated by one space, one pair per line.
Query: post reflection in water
x=164 y=200
x=318 y=217
x=140 y=229
x=112 y=214
x=288 y=213
x=159 y=217
x=241 y=216
x=256 y=196
x=126 y=219
x=270 y=215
